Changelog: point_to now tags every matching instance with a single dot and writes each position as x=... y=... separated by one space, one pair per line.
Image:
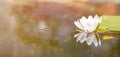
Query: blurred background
x=44 y=28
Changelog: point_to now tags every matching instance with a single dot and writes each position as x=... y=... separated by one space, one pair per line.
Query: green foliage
x=111 y=23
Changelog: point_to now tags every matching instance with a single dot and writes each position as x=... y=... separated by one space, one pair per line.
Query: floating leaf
x=111 y=23
x=107 y=37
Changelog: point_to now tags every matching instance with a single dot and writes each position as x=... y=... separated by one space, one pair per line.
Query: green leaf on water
x=111 y=23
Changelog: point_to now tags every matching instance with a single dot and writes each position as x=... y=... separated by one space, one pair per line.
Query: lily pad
x=111 y=23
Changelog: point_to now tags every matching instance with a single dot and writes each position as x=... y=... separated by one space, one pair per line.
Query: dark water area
x=14 y=46
x=47 y=30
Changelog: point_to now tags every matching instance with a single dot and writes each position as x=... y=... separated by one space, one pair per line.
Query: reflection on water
x=45 y=33
x=89 y=38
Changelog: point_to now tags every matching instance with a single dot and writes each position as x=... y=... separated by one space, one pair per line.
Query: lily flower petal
x=79 y=25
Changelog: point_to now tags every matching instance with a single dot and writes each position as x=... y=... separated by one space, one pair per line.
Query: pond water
x=46 y=29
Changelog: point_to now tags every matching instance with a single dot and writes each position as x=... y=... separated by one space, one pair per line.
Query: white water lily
x=88 y=25
x=87 y=28
x=42 y=26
